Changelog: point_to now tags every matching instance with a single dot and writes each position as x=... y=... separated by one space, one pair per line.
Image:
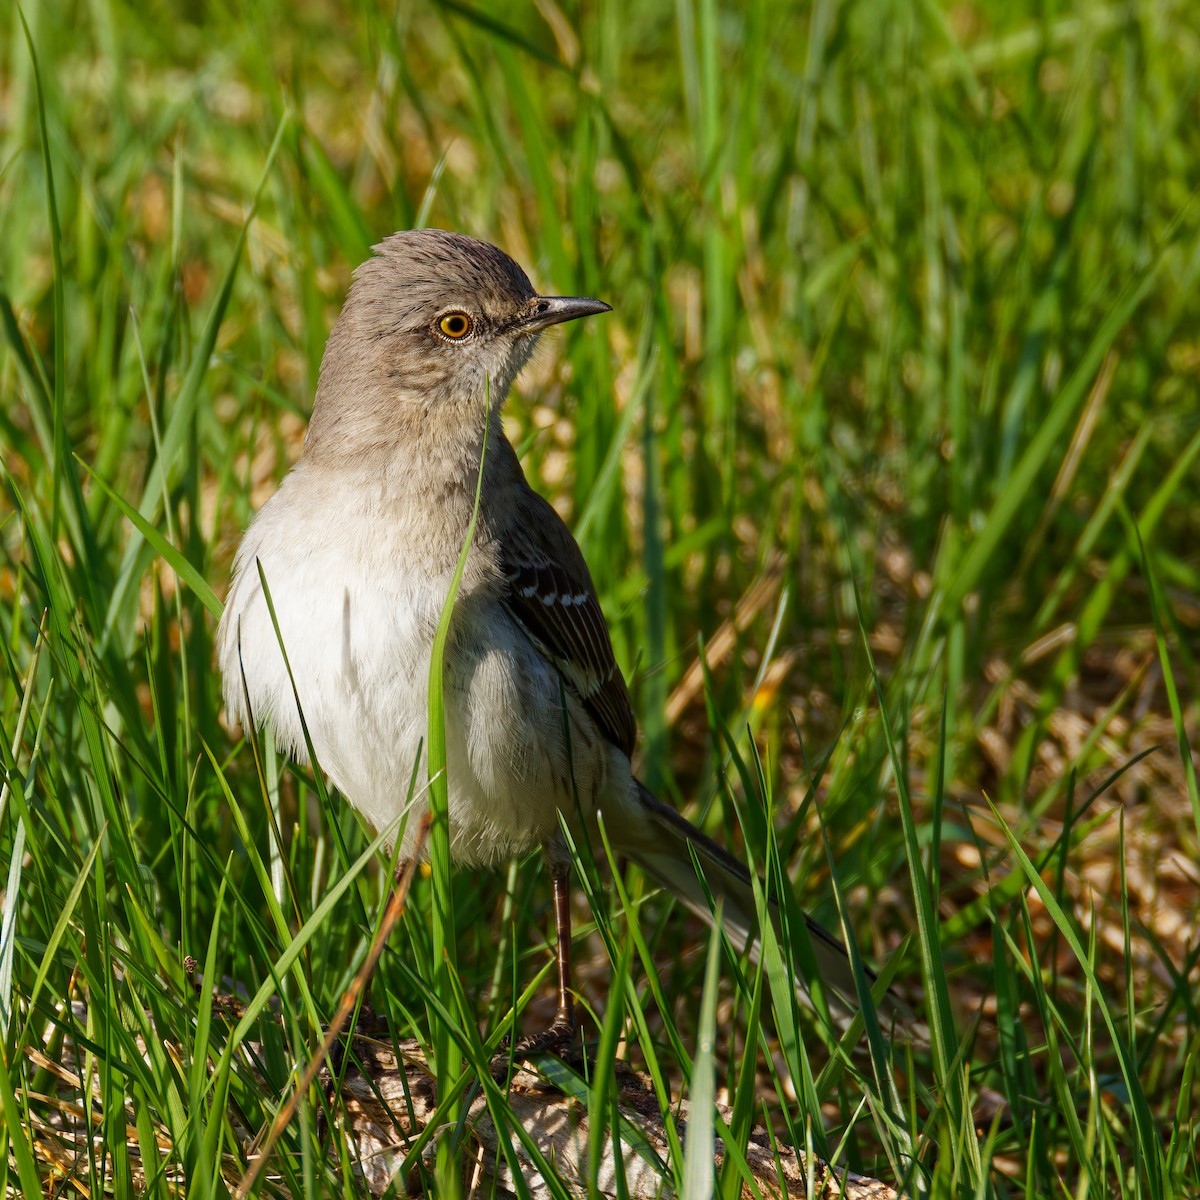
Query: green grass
x=904 y=366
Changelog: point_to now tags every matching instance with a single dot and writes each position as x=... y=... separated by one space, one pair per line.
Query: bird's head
x=434 y=323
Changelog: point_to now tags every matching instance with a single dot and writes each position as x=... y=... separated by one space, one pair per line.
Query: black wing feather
x=551 y=594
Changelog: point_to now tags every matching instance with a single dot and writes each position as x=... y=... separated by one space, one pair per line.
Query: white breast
x=357 y=610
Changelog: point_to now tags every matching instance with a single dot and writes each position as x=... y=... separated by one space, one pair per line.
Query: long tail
x=658 y=842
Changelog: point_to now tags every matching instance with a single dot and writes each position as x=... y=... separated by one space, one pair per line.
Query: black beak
x=553 y=310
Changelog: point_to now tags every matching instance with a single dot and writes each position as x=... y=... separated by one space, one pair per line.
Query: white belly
x=358 y=625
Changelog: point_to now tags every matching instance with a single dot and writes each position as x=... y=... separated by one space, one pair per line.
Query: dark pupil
x=456 y=326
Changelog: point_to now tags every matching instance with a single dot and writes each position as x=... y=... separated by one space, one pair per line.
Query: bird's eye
x=455 y=325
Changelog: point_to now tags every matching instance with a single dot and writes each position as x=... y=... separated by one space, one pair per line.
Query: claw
x=558 y=1040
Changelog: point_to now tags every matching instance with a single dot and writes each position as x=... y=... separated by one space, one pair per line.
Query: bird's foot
x=558 y=1041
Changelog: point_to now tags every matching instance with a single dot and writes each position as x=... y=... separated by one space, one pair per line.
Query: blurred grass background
x=905 y=300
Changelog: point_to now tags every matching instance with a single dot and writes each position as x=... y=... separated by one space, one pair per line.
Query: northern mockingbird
x=358 y=547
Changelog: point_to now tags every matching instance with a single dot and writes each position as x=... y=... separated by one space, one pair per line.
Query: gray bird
x=359 y=546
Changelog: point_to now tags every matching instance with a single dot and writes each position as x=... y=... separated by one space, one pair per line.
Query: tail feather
x=659 y=843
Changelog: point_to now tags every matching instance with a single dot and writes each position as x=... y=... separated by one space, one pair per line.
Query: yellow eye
x=455 y=325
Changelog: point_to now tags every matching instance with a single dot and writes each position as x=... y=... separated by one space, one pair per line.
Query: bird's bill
x=554 y=310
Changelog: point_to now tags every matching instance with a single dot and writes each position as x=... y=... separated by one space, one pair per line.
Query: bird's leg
x=559 y=1038
x=564 y=1019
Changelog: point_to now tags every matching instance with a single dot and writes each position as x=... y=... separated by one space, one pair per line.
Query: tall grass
x=896 y=417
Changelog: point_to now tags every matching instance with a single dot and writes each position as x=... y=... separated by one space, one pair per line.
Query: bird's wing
x=549 y=591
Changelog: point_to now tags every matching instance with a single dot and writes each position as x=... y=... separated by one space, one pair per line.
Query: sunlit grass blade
x=698 y=1173
x=184 y=409
x=162 y=546
x=1148 y=1141
x=1157 y=609
x=444 y=932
